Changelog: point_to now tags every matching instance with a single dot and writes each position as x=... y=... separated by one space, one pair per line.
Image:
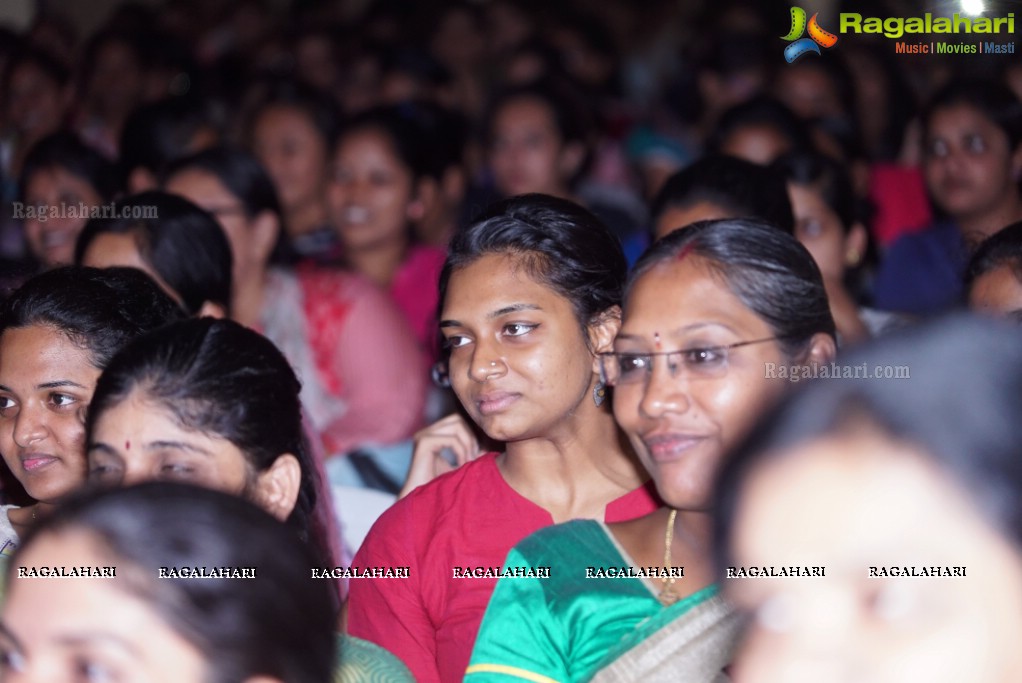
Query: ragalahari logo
x=817 y=36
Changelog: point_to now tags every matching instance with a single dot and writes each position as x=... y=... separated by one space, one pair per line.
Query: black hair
x=954 y=362
x=406 y=134
x=245 y=178
x=821 y=171
x=990 y=97
x=156 y=134
x=99 y=310
x=760 y=111
x=219 y=377
x=559 y=243
x=1003 y=249
x=317 y=106
x=769 y=271
x=741 y=187
x=64 y=150
x=183 y=244
x=278 y=623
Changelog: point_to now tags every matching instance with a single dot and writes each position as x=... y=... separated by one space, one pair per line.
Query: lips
x=34 y=462
x=673 y=446
x=355 y=214
x=495 y=402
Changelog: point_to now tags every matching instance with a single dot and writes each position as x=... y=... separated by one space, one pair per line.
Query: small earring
x=852 y=257
x=599 y=394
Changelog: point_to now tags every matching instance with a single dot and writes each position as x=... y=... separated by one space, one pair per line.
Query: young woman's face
x=35 y=102
x=87 y=629
x=46 y=383
x=681 y=426
x=519 y=363
x=207 y=192
x=969 y=165
x=51 y=238
x=527 y=152
x=294 y=153
x=809 y=508
x=371 y=194
x=140 y=440
x=819 y=230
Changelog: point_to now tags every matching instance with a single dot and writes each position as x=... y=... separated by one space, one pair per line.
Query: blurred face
x=35 y=104
x=682 y=425
x=46 y=383
x=760 y=144
x=117 y=79
x=528 y=154
x=808 y=92
x=140 y=440
x=51 y=238
x=207 y=192
x=371 y=195
x=294 y=153
x=519 y=363
x=969 y=166
x=808 y=508
x=66 y=630
x=819 y=230
x=997 y=292
x=110 y=250
x=674 y=217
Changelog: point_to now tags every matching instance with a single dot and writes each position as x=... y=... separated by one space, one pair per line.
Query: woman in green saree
x=715 y=318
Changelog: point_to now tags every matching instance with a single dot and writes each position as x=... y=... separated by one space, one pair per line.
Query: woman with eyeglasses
x=529 y=297
x=714 y=315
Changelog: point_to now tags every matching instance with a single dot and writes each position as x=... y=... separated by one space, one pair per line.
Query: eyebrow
x=110 y=638
x=60 y=383
x=513 y=308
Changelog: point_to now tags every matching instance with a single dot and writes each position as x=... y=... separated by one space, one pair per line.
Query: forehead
x=959 y=118
x=494 y=280
x=197 y=183
x=41 y=348
x=680 y=293
x=525 y=110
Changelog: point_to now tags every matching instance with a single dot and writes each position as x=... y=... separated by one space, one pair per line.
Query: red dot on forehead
x=127 y=445
x=685 y=251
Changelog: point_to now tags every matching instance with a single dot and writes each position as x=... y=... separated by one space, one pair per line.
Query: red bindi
x=656 y=340
x=127 y=445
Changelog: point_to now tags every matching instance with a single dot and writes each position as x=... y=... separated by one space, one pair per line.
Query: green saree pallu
x=593 y=620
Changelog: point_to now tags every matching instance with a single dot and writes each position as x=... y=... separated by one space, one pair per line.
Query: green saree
x=570 y=628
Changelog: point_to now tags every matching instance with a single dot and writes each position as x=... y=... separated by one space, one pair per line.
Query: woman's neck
x=380 y=262
x=979 y=226
x=577 y=471
x=247 y=302
x=305 y=217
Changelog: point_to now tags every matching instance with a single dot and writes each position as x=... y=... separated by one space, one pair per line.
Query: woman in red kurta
x=529 y=295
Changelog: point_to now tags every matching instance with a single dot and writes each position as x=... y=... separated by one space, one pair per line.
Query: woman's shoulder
x=360 y=661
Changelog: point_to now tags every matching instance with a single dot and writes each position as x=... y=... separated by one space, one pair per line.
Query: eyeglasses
x=707 y=362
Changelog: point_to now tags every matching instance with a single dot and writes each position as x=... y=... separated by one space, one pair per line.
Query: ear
x=212 y=310
x=821 y=351
x=278 y=486
x=571 y=159
x=856 y=242
x=265 y=229
x=602 y=331
x=453 y=184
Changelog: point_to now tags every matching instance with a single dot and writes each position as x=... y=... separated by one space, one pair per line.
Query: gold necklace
x=667 y=595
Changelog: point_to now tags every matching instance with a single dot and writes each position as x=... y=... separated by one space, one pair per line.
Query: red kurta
x=470 y=517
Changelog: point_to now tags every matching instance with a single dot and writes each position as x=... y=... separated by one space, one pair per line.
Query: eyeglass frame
x=726 y=348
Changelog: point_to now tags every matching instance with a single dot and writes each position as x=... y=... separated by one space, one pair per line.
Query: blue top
x=922 y=273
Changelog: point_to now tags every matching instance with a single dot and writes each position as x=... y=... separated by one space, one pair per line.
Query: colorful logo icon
x=817 y=36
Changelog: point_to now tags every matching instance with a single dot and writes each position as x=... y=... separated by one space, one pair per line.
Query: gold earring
x=852 y=257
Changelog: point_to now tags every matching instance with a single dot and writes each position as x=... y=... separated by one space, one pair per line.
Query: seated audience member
x=759 y=131
x=905 y=493
x=732 y=298
x=152 y=619
x=363 y=377
x=828 y=225
x=721 y=186
x=529 y=297
x=62 y=175
x=57 y=333
x=181 y=247
x=377 y=193
x=993 y=278
x=972 y=134
x=212 y=403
